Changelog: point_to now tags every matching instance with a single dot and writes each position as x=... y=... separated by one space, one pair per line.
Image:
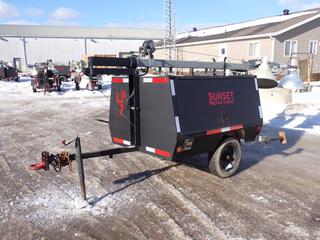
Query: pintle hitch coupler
x=57 y=161
x=282 y=138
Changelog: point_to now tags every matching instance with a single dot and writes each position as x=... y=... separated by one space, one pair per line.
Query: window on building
x=254 y=49
x=222 y=50
x=290 y=47
x=313 y=47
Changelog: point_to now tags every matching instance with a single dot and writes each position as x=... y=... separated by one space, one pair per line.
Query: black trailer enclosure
x=173 y=117
x=184 y=116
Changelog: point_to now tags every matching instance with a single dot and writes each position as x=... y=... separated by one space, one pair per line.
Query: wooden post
x=310 y=65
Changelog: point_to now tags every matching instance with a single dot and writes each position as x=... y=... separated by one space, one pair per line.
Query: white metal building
x=30 y=44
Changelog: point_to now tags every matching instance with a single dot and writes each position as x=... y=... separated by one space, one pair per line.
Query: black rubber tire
x=34 y=90
x=59 y=85
x=62 y=78
x=77 y=85
x=229 y=152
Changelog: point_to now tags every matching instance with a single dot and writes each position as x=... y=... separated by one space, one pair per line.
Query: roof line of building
x=265 y=35
x=293 y=15
x=88 y=38
x=7 y=30
x=297 y=25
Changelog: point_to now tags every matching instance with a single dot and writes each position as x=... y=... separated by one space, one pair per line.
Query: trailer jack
x=57 y=161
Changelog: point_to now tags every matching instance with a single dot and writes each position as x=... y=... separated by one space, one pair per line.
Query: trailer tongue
x=173 y=117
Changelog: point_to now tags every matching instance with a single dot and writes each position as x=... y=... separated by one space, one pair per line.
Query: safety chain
x=62 y=159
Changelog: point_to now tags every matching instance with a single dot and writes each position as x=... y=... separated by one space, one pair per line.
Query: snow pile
x=303 y=114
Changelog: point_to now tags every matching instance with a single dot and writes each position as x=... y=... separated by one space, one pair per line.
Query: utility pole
x=169 y=41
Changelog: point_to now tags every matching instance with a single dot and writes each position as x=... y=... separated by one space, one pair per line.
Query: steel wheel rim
x=227 y=158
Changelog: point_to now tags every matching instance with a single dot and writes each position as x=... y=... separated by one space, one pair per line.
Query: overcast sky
x=143 y=13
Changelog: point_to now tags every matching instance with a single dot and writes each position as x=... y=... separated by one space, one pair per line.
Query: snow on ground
x=303 y=114
x=68 y=203
x=67 y=89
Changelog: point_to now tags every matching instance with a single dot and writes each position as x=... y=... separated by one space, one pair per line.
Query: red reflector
x=117 y=140
x=117 y=80
x=215 y=131
x=225 y=129
x=258 y=128
x=160 y=80
x=162 y=153
x=236 y=127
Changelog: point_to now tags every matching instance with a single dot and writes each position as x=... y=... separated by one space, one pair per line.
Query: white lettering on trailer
x=260 y=112
x=150 y=149
x=125 y=142
x=147 y=80
x=225 y=129
x=256 y=83
x=176 y=118
x=125 y=80
x=173 y=91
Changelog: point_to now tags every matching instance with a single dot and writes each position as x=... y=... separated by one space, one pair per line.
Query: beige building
x=278 y=37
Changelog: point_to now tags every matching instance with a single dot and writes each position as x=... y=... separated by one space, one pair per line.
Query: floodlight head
x=148 y=48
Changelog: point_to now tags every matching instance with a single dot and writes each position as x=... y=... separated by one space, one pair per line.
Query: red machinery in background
x=7 y=72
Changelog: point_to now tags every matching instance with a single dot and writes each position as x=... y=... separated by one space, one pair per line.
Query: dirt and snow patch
x=64 y=202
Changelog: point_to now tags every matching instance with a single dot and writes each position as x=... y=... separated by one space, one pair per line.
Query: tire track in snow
x=197 y=213
x=166 y=186
x=169 y=222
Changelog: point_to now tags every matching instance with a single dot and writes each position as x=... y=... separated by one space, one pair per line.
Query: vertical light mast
x=170 y=29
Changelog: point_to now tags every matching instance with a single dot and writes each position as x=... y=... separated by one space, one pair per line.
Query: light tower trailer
x=173 y=117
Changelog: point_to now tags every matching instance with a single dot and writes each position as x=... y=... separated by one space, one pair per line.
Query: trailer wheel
x=58 y=85
x=62 y=78
x=77 y=85
x=226 y=159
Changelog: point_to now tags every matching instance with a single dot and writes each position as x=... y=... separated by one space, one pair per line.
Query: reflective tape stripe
x=149 y=149
x=256 y=83
x=125 y=142
x=147 y=80
x=158 y=152
x=214 y=131
x=121 y=141
x=160 y=80
x=225 y=129
x=260 y=112
x=120 y=80
x=163 y=153
x=173 y=90
x=236 y=127
x=156 y=80
x=177 y=120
